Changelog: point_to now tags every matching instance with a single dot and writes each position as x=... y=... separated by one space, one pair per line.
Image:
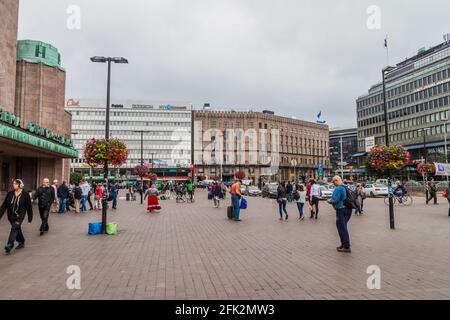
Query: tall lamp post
x=425 y=156
x=386 y=137
x=108 y=60
x=142 y=161
x=445 y=121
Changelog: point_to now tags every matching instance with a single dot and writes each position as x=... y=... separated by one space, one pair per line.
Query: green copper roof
x=38 y=52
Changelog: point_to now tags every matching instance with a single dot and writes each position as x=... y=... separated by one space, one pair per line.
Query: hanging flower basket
x=240 y=175
x=141 y=171
x=382 y=158
x=426 y=168
x=99 y=151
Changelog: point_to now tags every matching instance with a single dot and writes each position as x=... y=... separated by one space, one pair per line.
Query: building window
x=40 y=52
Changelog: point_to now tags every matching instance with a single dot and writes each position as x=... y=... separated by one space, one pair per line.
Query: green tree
x=75 y=177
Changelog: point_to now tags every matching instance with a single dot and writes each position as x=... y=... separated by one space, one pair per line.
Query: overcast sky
x=295 y=57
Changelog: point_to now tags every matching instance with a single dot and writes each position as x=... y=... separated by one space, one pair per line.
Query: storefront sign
x=14 y=121
x=442 y=169
x=17 y=134
x=9 y=118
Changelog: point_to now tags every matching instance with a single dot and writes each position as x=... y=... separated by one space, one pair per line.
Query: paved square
x=191 y=251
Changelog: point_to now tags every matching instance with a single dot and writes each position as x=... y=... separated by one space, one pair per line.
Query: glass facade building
x=418 y=100
x=166 y=126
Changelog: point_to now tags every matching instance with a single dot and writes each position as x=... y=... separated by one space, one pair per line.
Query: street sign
x=320 y=170
x=342 y=164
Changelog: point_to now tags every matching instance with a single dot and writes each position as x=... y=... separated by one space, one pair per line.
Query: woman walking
x=98 y=197
x=315 y=198
x=282 y=200
x=18 y=204
x=358 y=210
x=152 y=195
x=300 y=197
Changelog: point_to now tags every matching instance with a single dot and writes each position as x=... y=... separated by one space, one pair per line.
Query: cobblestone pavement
x=191 y=251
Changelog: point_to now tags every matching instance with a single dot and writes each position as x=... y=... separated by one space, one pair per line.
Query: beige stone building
x=35 y=130
x=297 y=148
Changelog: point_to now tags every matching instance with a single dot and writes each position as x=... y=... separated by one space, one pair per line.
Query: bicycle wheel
x=386 y=200
x=407 y=200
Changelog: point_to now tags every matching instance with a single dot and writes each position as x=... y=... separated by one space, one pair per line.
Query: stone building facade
x=298 y=149
x=9 y=11
x=35 y=130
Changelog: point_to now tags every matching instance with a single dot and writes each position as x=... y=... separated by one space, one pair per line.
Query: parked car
x=254 y=191
x=325 y=193
x=243 y=189
x=270 y=191
x=376 y=190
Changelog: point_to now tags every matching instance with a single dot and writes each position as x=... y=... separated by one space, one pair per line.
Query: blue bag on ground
x=95 y=228
x=243 y=203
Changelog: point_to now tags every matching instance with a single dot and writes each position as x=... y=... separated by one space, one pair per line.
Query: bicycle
x=404 y=200
x=181 y=197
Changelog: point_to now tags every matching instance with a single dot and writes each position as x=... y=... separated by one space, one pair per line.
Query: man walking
x=236 y=199
x=343 y=214
x=114 y=195
x=85 y=188
x=63 y=195
x=289 y=190
x=46 y=197
x=433 y=191
x=77 y=196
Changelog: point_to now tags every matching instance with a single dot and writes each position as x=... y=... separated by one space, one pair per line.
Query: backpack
x=296 y=196
x=78 y=193
x=350 y=201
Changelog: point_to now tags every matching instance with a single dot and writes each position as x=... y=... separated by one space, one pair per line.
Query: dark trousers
x=282 y=207
x=90 y=202
x=433 y=195
x=16 y=234
x=114 y=202
x=315 y=205
x=342 y=218
x=44 y=212
x=448 y=208
x=300 y=207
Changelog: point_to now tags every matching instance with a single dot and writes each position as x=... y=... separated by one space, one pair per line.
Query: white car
x=326 y=193
x=376 y=190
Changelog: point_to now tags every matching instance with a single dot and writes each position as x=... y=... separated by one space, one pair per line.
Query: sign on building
x=370 y=143
x=442 y=169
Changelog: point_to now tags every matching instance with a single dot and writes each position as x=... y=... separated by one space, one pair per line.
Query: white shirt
x=302 y=195
x=315 y=190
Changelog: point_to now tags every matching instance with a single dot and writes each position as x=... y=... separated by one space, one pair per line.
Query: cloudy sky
x=295 y=57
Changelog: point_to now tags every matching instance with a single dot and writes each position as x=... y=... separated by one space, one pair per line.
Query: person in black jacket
x=46 y=196
x=282 y=200
x=63 y=195
x=18 y=204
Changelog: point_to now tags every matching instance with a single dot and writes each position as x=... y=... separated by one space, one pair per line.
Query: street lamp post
x=342 y=157
x=425 y=156
x=142 y=162
x=386 y=132
x=108 y=60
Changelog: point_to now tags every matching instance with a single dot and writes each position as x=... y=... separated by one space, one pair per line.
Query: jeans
x=83 y=203
x=300 y=207
x=62 y=205
x=44 y=212
x=342 y=218
x=16 y=234
x=282 y=207
x=114 y=202
x=236 y=203
x=289 y=196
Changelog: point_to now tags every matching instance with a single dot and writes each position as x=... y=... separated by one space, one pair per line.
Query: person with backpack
x=77 y=196
x=300 y=198
x=46 y=197
x=315 y=199
x=343 y=202
x=63 y=195
x=282 y=200
x=17 y=204
x=358 y=194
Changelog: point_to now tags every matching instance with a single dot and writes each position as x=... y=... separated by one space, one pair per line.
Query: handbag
x=244 y=204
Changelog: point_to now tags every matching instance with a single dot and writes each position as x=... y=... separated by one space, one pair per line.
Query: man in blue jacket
x=343 y=214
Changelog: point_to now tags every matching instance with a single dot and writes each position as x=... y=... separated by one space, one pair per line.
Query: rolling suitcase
x=230 y=212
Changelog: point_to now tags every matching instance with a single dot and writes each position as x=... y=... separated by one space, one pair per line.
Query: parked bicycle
x=405 y=200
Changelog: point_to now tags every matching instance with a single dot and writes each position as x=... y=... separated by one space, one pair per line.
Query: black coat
x=63 y=192
x=46 y=196
x=17 y=213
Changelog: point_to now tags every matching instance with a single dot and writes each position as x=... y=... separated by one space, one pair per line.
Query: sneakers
x=8 y=248
x=20 y=246
x=287 y=216
x=344 y=250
